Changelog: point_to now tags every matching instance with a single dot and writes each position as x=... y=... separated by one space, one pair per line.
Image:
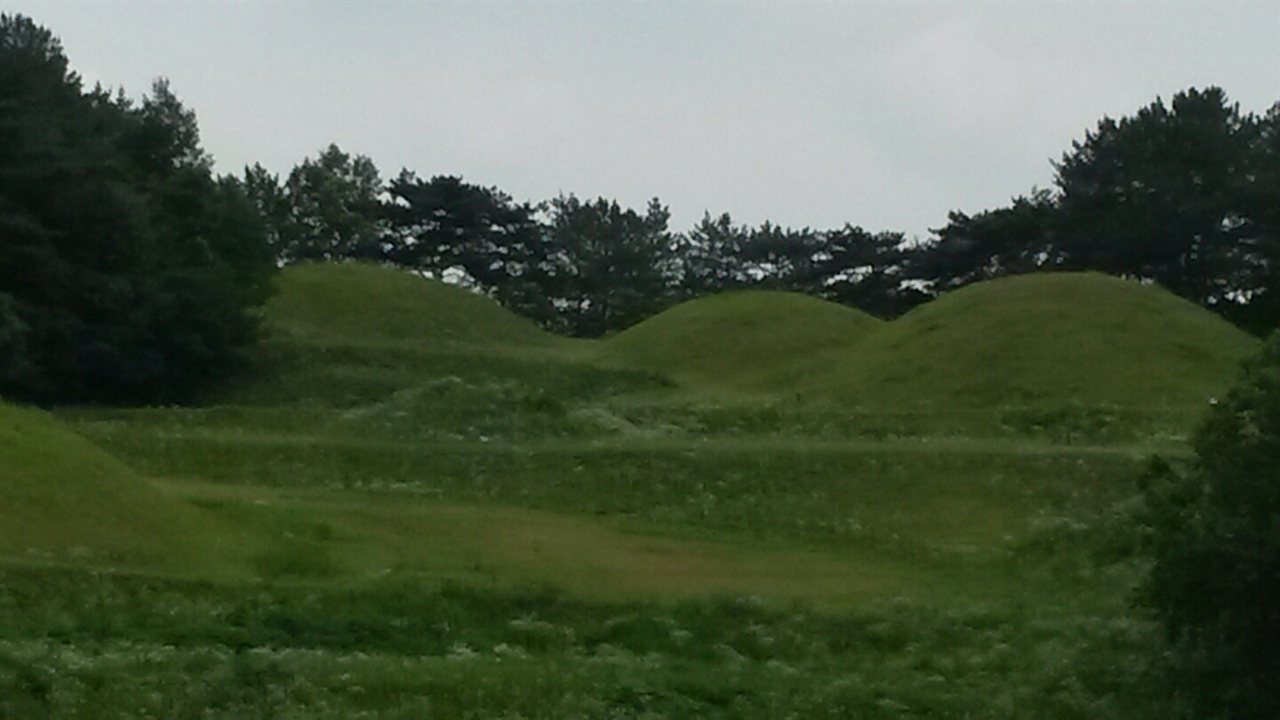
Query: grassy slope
x=385 y=343
x=909 y=514
x=63 y=499
x=355 y=334
x=403 y=446
x=469 y=404
x=476 y=421
x=748 y=340
x=1050 y=340
x=365 y=304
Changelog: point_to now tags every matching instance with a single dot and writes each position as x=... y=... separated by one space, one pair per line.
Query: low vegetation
x=66 y=501
x=445 y=512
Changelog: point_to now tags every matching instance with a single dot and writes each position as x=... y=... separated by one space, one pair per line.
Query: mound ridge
x=749 y=339
x=362 y=303
x=62 y=498
x=1053 y=338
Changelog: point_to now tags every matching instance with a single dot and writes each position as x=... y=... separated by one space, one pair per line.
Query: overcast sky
x=881 y=114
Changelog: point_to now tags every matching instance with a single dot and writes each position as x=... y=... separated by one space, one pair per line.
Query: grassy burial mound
x=338 y=303
x=747 y=340
x=1068 y=340
x=350 y=334
x=65 y=500
x=409 y=358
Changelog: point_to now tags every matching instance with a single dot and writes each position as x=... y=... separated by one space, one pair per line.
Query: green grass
x=1058 y=357
x=748 y=340
x=343 y=303
x=94 y=647
x=352 y=336
x=757 y=505
x=835 y=522
x=64 y=500
x=352 y=539
x=1057 y=340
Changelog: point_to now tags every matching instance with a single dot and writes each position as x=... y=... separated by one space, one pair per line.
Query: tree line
x=1185 y=195
x=130 y=272
x=579 y=267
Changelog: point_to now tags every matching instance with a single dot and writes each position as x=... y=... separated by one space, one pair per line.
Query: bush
x=1215 y=531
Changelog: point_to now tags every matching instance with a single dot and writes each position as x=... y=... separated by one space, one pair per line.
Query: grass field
x=755 y=505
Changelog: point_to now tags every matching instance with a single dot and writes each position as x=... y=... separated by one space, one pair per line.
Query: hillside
x=747 y=340
x=1047 y=339
x=417 y=359
x=348 y=335
x=63 y=499
x=361 y=303
x=421 y=499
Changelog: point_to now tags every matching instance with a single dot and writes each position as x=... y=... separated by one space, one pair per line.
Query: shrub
x=1215 y=531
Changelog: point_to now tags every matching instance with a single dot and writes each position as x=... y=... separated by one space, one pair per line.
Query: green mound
x=1065 y=356
x=63 y=499
x=749 y=340
x=1062 y=339
x=360 y=303
x=350 y=334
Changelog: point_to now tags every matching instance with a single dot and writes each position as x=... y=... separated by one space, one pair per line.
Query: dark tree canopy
x=1164 y=195
x=611 y=267
x=476 y=236
x=848 y=265
x=329 y=208
x=709 y=256
x=866 y=271
x=993 y=243
x=1184 y=195
x=128 y=273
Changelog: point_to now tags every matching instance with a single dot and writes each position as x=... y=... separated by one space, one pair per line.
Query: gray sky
x=885 y=115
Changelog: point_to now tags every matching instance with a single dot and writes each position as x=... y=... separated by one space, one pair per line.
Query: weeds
x=402 y=648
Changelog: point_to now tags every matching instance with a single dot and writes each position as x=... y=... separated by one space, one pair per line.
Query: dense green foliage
x=128 y=273
x=591 y=268
x=1184 y=194
x=327 y=209
x=478 y=236
x=1216 y=538
x=613 y=262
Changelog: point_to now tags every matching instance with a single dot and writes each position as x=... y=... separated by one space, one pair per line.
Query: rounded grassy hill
x=348 y=334
x=1044 y=339
x=363 y=303
x=746 y=340
x=65 y=500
